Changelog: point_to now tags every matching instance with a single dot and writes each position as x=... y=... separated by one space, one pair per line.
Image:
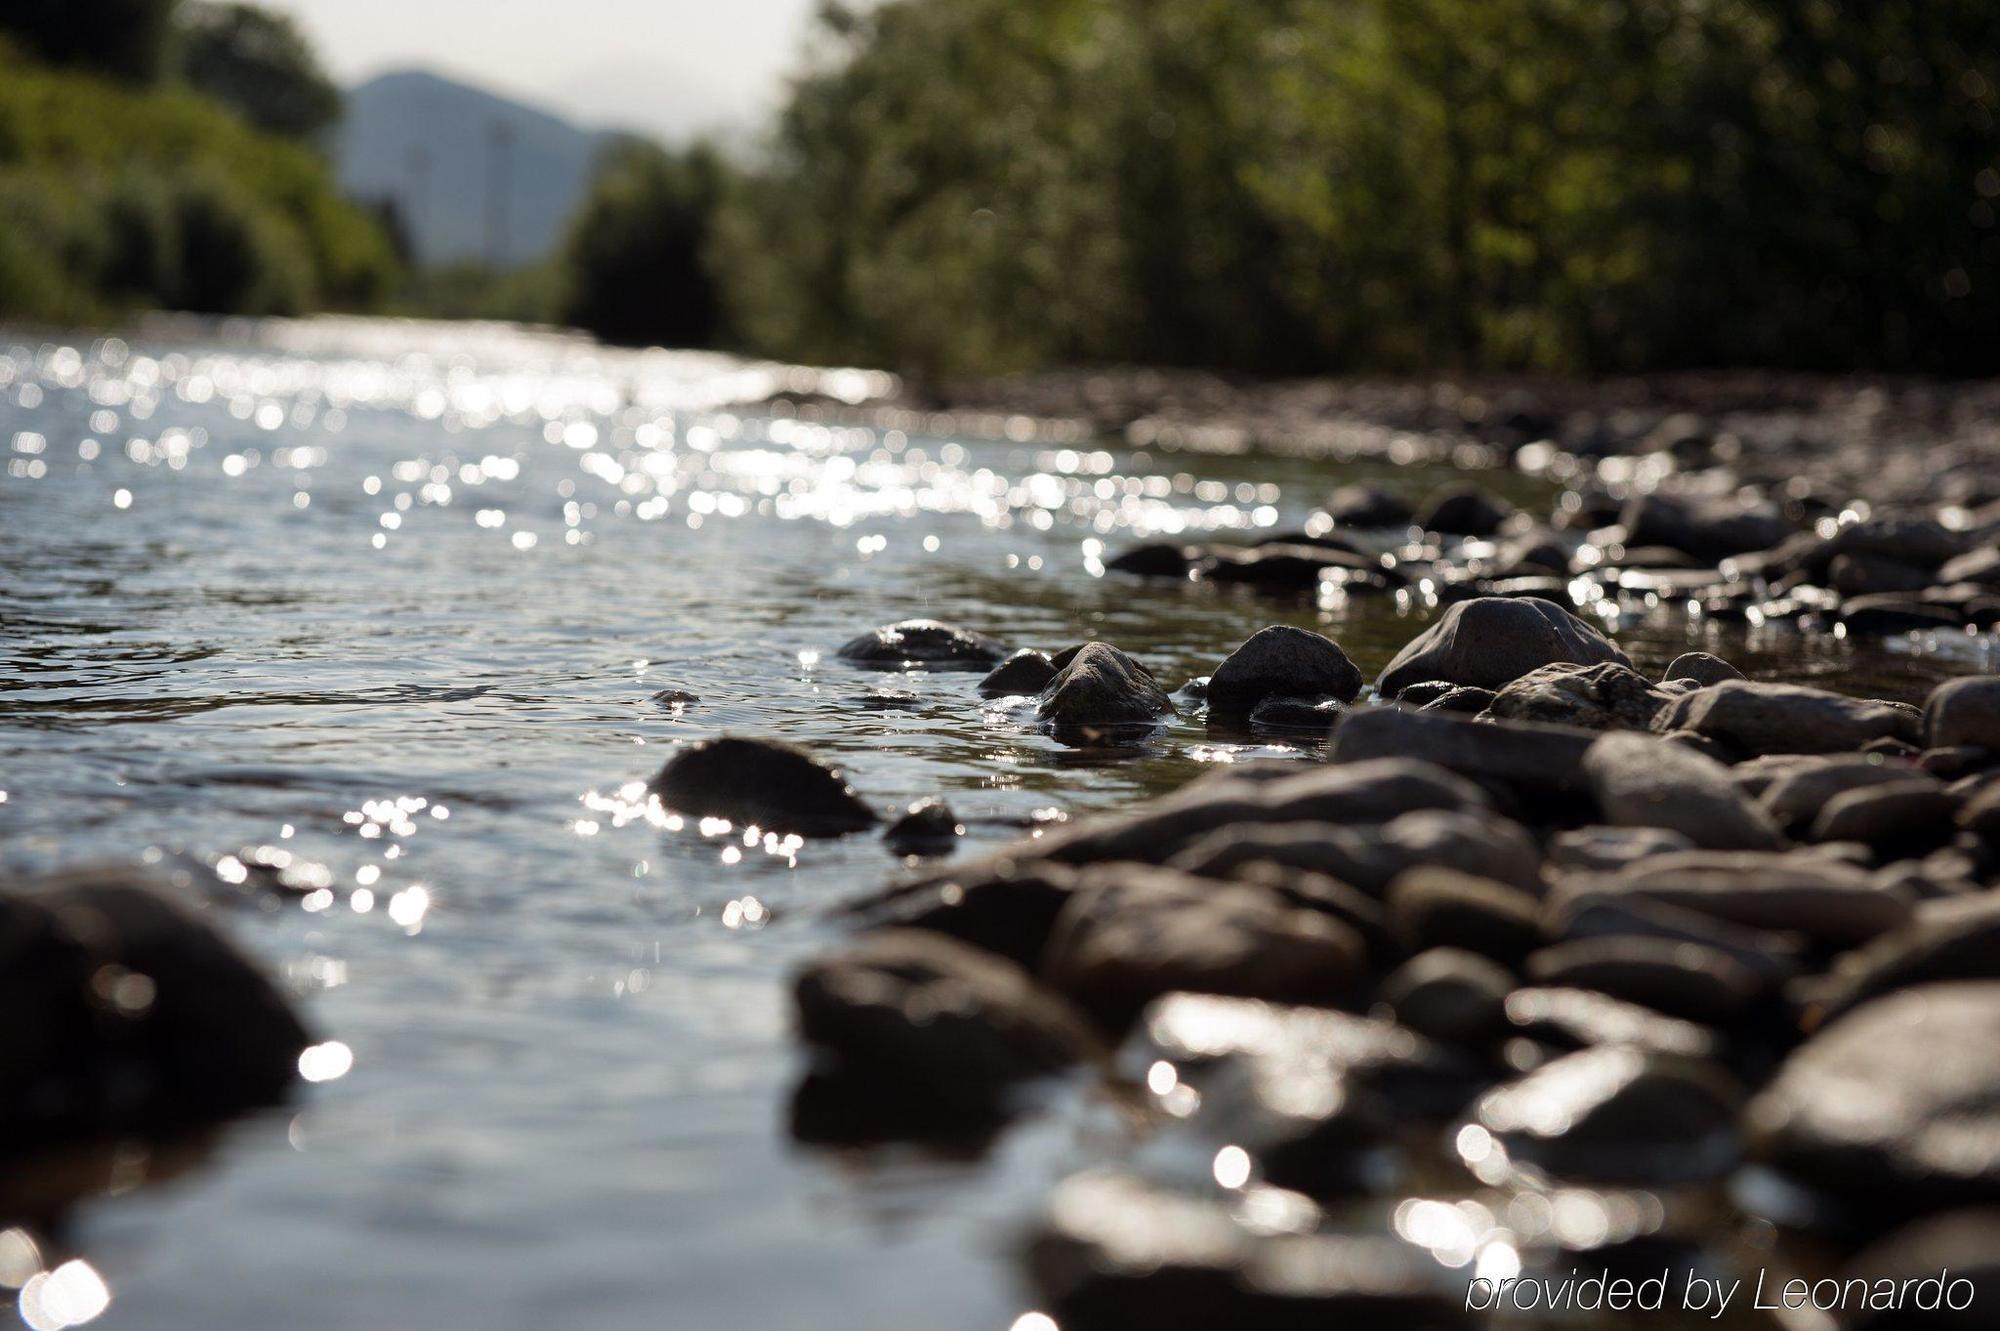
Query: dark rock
x=1584 y=1019
x=1316 y=891
x=1365 y=505
x=1607 y=696
x=1314 y=716
x=1686 y=980
x=923 y=642
x=1604 y=849
x=1773 y=955
x=1785 y=718
x=1102 y=696
x=1913 y=1261
x=1701 y=668
x=676 y=700
x=1980 y=814
x=1426 y=692
x=1820 y=898
x=1886 y=616
x=1796 y=798
x=1918 y=541
x=1158 y=560
x=1640 y=781
x=1867 y=575
x=128 y=1015
x=1368 y=855
x=1981 y=567
x=1131 y=933
x=1434 y=907
x=1349 y=793
x=1115 y=1252
x=1943 y=940
x=1619 y=1114
x=1450 y=995
x=1899 y=813
x=1305 y=1124
x=1025 y=672
x=1281 y=661
x=1461 y=699
x=764 y=783
x=1510 y=754
x=928 y=827
x=999 y=905
x=1285 y=566
x=1895 y=1105
x=925 y=1016
x=1964 y=711
x=1491 y=641
x=1709 y=528
x=1463 y=510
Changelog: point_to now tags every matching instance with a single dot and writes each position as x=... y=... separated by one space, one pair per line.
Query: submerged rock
x=1895 y=1105
x=1641 y=781
x=1463 y=510
x=767 y=783
x=1491 y=641
x=1281 y=661
x=928 y=827
x=923 y=642
x=1785 y=718
x=924 y=1016
x=1156 y=560
x=1025 y=672
x=1101 y=696
x=128 y=1015
x=1312 y=716
x=1363 y=505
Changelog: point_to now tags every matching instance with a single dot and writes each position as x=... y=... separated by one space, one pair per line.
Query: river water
x=390 y=604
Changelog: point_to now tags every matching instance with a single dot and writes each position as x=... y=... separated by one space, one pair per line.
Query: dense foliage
x=114 y=196
x=259 y=65
x=1289 y=184
x=635 y=262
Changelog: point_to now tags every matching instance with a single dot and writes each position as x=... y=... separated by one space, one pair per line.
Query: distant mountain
x=474 y=175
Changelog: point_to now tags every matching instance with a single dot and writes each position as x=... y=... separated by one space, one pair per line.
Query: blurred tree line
x=1295 y=185
x=155 y=154
x=1274 y=186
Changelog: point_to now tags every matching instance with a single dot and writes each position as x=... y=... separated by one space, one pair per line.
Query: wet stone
x=1796 y=797
x=1819 y=897
x=1000 y=906
x=1619 y=1114
x=1370 y=855
x=1463 y=510
x=128 y=1015
x=1916 y=812
x=923 y=1016
x=1157 y=560
x=1131 y=933
x=1944 y=940
x=1025 y=672
x=1313 y=716
x=1707 y=527
x=928 y=827
x=676 y=700
x=766 y=783
x=1641 y=781
x=1785 y=718
x=1607 y=696
x=1450 y=995
x=1518 y=756
x=1101 y=696
x=1571 y=1019
x=1489 y=642
x=1462 y=699
x=1964 y=711
x=1438 y=907
x=923 y=643
x=1701 y=668
x=1368 y=506
x=1686 y=980
x=1895 y=1105
x=1281 y=661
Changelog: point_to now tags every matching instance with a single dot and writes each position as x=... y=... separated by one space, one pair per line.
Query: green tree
x=636 y=259
x=127 y=39
x=259 y=65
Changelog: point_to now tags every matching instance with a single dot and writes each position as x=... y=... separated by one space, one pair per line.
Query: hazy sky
x=670 y=66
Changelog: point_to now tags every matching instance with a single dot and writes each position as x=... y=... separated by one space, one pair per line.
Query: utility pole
x=499 y=171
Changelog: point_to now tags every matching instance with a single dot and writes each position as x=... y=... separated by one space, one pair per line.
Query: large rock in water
x=1606 y=696
x=1491 y=641
x=917 y=1013
x=1896 y=1105
x=923 y=642
x=1101 y=696
x=1281 y=661
x=127 y=1014
x=1642 y=781
x=1757 y=719
x=763 y=783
